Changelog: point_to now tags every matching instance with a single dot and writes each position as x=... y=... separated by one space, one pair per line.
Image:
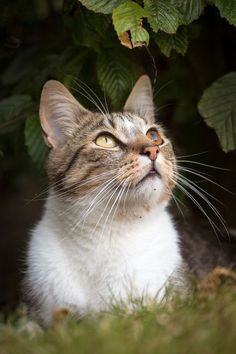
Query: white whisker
x=206 y=178
x=213 y=225
x=204 y=164
x=215 y=210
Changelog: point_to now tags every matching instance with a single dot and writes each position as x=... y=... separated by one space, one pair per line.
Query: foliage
x=218 y=107
x=34 y=140
x=12 y=110
x=227 y=10
x=127 y=20
x=200 y=325
x=87 y=43
x=104 y=6
x=163 y=15
x=115 y=75
x=177 y=41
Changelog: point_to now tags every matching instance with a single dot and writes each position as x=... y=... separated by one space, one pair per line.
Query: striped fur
x=105 y=231
x=80 y=159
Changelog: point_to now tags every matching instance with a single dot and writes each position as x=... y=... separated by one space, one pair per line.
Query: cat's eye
x=106 y=141
x=155 y=136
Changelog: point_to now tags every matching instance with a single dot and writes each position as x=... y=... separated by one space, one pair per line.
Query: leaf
x=88 y=29
x=218 y=108
x=99 y=23
x=168 y=42
x=13 y=110
x=115 y=75
x=34 y=141
x=104 y=6
x=227 y=10
x=20 y=66
x=127 y=20
x=163 y=15
x=190 y=10
x=29 y=72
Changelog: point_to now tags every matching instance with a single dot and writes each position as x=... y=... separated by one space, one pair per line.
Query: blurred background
x=52 y=39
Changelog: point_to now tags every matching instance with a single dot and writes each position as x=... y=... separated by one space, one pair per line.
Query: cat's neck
x=88 y=217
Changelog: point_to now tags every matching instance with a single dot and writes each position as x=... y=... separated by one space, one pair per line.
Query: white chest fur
x=88 y=268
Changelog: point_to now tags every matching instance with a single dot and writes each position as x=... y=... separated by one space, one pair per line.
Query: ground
x=203 y=323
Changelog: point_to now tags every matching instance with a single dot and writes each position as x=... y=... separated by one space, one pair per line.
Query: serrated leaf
x=190 y=10
x=104 y=6
x=127 y=20
x=168 y=42
x=227 y=10
x=115 y=76
x=12 y=110
x=163 y=15
x=218 y=108
x=34 y=141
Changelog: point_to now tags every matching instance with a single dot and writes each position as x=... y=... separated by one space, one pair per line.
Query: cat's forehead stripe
x=128 y=124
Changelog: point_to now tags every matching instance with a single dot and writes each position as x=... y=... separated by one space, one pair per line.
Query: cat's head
x=119 y=155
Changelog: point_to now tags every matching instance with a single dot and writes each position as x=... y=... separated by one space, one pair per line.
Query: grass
x=204 y=323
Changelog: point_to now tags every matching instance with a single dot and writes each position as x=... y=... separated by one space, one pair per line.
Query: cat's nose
x=151 y=152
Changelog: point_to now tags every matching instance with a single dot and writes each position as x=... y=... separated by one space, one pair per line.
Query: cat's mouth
x=152 y=174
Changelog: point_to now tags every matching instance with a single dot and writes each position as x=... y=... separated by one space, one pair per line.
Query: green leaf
x=227 y=10
x=13 y=110
x=168 y=42
x=218 y=108
x=34 y=141
x=88 y=28
x=190 y=10
x=104 y=6
x=128 y=18
x=163 y=15
x=115 y=76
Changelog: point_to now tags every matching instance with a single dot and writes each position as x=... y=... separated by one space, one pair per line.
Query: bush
x=186 y=46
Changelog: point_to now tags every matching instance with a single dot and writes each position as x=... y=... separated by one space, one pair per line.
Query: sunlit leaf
x=104 y=6
x=190 y=9
x=218 y=108
x=163 y=15
x=227 y=10
x=127 y=20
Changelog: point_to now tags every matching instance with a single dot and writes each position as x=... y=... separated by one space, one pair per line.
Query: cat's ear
x=59 y=113
x=140 y=100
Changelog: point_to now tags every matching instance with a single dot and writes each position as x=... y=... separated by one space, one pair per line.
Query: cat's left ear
x=140 y=100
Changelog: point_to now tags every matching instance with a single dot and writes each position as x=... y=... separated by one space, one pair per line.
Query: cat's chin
x=151 y=176
x=150 y=189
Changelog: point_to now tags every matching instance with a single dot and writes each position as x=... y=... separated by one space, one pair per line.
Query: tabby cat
x=106 y=235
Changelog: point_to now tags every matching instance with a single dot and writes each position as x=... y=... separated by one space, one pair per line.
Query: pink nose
x=151 y=152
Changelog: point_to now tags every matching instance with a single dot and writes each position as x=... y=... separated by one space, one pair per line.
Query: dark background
x=40 y=41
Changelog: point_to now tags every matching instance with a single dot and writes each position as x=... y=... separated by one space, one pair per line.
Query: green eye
x=106 y=141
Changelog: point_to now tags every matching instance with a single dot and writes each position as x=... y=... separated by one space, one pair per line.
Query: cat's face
x=120 y=155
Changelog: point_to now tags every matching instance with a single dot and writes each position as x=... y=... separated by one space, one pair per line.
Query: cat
x=106 y=235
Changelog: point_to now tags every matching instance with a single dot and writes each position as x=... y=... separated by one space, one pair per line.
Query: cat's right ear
x=140 y=100
x=59 y=113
